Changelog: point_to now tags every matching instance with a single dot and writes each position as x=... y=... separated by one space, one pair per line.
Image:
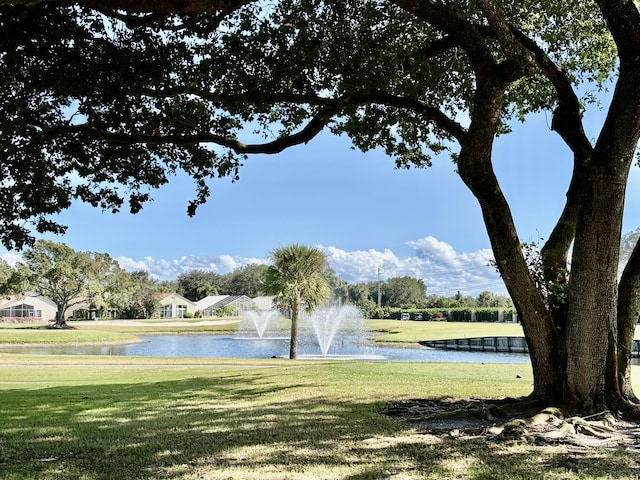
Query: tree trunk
x=599 y=328
x=60 y=320
x=574 y=347
x=293 y=344
x=591 y=329
x=628 y=311
x=476 y=170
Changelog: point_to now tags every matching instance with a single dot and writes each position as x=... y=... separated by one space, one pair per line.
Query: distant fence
x=496 y=344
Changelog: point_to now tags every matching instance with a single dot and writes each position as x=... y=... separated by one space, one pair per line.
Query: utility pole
x=379 y=297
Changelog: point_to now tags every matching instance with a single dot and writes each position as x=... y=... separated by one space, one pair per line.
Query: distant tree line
x=67 y=277
x=396 y=292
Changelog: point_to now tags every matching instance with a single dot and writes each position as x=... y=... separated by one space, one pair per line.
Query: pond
x=225 y=346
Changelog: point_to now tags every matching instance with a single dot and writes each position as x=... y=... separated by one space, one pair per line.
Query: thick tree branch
x=313 y=127
x=623 y=19
x=567 y=122
x=512 y=49
x=160 y=7
x=445 y=19
x=428 y=112
x=567 y=117
x=476 y=170
x=329 y=109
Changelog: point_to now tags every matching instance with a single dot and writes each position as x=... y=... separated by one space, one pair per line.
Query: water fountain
x=258 y=321
x=343 y=324
x=338 y=332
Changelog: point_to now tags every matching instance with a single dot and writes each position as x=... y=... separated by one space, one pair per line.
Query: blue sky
x=365 y=214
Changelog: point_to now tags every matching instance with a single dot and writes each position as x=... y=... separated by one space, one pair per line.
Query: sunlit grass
x=416 y=331
x=47 y=336
x=76 y=417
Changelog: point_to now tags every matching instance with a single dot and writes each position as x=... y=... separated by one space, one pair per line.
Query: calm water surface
x=223 y=346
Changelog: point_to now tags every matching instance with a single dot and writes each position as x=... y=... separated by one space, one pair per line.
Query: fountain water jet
x=327 y=322
x=259 y=320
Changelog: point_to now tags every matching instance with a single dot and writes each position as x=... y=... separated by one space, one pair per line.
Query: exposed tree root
x=517 y=420
x=56 y=326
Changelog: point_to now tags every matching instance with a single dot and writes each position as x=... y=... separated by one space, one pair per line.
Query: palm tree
x=296 y=281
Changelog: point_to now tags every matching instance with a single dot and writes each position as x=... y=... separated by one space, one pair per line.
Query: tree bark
x=60 y=320
x=476 y=170
x=295 y=314
x=628 y=311
x=592 y=295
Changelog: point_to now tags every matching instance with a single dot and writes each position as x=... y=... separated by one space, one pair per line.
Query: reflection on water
x=223 y=346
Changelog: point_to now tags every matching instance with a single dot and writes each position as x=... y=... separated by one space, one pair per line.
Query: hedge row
x=458 y=314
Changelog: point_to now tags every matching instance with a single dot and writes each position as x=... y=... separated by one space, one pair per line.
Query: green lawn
x=46 y=336
x=413 y=332
x=142 y=418
x=99 y=418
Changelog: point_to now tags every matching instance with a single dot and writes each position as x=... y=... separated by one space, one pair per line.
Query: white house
x=264 y=303
x=175 y=306
x=26 y=308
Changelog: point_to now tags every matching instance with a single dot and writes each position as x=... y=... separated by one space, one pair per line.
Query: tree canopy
x=405 y=292
x=104 y=104
x=66 y=277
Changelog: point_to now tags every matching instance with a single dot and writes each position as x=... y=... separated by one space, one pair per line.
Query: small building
x=27 y=308
x=212 y=305
x=173 y=305
x=264 y=303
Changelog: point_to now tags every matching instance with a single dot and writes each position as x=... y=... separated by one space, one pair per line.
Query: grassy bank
x=101 y=332
x=130 y=418
x=413 y=332
x=46 y=336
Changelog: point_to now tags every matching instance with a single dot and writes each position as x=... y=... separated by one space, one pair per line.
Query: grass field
x=145 y=418
x=413 y=332
x=100 y=418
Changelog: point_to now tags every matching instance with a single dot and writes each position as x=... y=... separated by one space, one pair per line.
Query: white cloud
x=162 y=269
x=11 y=258
x=444 y=270
x=432 y=249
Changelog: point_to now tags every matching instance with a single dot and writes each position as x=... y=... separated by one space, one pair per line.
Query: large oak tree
x=64 y=276
x=103 y=105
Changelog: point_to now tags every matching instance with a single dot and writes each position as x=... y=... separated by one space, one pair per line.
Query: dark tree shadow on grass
x=230 y=427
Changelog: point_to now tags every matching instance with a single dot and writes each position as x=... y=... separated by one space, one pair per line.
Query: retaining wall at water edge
x=496 y=344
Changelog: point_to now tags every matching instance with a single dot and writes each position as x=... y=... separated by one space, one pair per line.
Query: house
x=27 y=308
x=238 y=304
x=173 y=305
x=207 y=303
x=264 y=303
